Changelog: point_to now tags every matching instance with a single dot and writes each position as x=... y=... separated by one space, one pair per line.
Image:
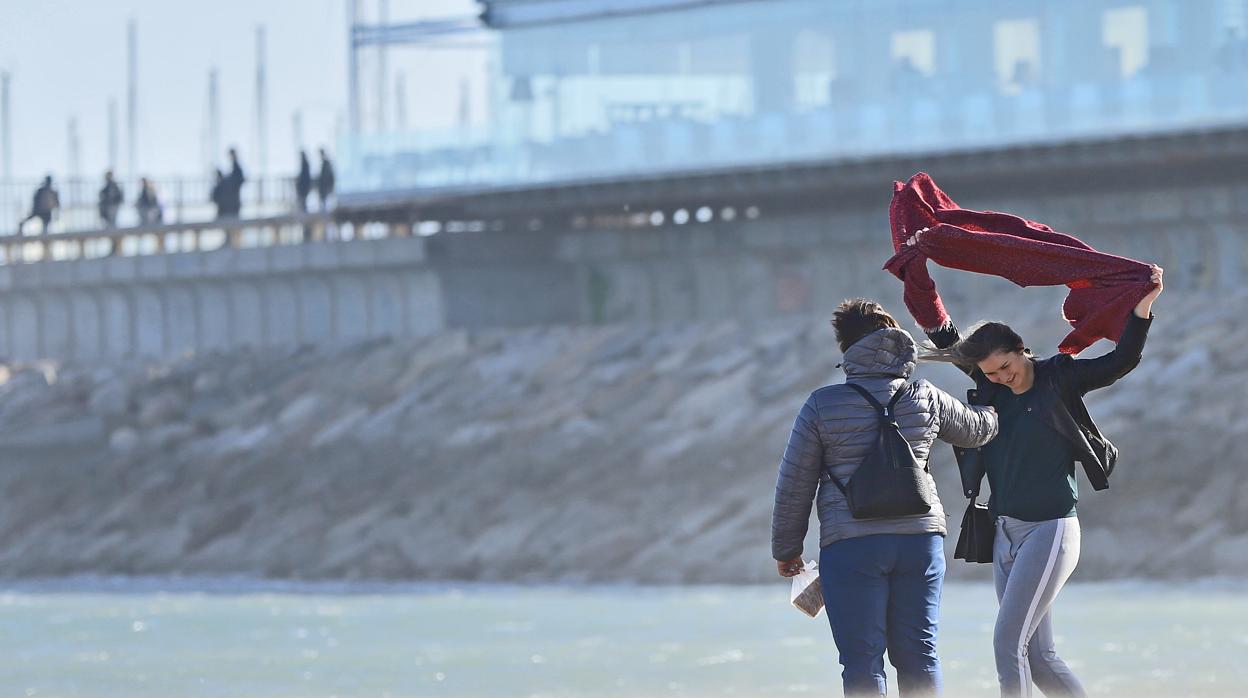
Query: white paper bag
x=807 y=593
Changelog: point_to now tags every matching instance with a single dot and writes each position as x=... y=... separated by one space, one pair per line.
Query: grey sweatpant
x=1031 y=560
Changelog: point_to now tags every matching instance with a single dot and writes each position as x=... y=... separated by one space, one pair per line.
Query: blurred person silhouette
x=111 y=198
x=218 y=191
x=303 y=182
x=325 y=180
x=228 y=191
x=148 y=204
x=44 y=206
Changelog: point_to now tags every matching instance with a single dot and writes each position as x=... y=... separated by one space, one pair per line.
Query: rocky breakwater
x=572 y=454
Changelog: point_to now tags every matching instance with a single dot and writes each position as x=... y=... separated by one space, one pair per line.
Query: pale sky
x=68 y=58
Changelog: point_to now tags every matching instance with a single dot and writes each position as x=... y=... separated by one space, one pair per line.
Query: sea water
x=125 y=638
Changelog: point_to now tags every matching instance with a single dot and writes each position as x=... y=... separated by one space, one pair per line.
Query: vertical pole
x=464 y=116
x=383 y=79
x=400 y=101
x=353 y=69
x=6 y=129
x=296 y=127
x=75 y=161
x=214 y=119
x=112 y=134
x=132 y=99
x=262 y=107
x=74 y=170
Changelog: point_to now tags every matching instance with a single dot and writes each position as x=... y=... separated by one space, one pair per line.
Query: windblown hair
x=856 y=318
x=985 y=339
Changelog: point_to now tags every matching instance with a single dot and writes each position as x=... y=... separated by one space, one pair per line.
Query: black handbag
x=978 y=532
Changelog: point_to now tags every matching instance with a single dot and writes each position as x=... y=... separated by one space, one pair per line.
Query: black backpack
x=890 y=482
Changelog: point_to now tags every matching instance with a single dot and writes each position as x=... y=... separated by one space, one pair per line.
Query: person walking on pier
x=303 y=183
x=44 y=206
x=111 y=198
x=218 y=193
x=881 y=574
x=148 y=204
x=325 y=180
x=231 y=200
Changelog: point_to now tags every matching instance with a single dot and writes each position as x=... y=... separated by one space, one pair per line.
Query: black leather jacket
x=1070 y=379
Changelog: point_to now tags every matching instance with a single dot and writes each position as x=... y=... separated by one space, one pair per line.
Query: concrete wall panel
x=423 y=310
x=281 y=312
x=212 y=301
x=149 y=320
x=181 y=332
x=24 y=325
x=351 y=306
x=6 y=334
x=246 y=314
x=118 y=322
x=385 y=305
x=316 y=309
x=85 y=313
x=54 y=324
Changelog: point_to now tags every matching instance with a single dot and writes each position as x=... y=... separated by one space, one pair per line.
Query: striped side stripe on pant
x=1031 y=562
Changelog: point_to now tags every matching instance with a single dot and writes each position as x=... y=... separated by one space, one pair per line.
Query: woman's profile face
x=1005 y=367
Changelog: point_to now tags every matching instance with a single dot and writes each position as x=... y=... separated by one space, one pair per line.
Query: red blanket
x=1103 y=287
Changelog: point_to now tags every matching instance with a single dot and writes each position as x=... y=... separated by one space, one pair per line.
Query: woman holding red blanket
x=1044 y=429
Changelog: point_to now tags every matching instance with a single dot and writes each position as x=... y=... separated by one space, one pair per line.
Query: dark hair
x=856 y=318
x=987 y=339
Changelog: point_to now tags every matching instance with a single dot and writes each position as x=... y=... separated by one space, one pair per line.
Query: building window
x=1234 y=17
x=914 y=52
x=913 y=56
x=1016 y=52
x=814 y=62
x=1125 y=32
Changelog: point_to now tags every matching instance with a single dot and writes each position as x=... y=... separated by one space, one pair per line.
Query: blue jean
x=882 y=593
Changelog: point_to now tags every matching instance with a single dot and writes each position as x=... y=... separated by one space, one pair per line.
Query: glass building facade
x=734 y=84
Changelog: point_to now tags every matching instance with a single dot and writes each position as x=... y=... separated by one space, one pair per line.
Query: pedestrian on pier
x=218 y=193
x=111 y=198
x=303 y=183
x=231 y=203
x=44 y=206
x=148 y=204
x=227 y=190
x=325 y=180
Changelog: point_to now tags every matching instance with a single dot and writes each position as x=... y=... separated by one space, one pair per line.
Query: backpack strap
x=838 y=484
x=869 y=397
x=884 y=412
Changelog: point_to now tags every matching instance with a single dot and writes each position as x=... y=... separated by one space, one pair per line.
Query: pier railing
x=195 y=236
x=182 y=200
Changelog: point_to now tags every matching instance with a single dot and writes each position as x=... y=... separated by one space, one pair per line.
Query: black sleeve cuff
x=946 y=336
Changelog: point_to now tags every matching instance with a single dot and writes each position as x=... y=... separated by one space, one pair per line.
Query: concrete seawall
x=169 y=304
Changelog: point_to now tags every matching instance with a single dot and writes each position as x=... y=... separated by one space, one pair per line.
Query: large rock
x=165 y=406
x=110 y=400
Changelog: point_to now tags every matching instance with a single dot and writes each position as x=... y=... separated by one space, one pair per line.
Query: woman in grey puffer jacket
x=881 y=577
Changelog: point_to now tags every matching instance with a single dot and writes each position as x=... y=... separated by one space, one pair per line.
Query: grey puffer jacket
x=836 y=428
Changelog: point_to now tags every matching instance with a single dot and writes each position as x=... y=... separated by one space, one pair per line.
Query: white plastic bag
x=807 y=593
